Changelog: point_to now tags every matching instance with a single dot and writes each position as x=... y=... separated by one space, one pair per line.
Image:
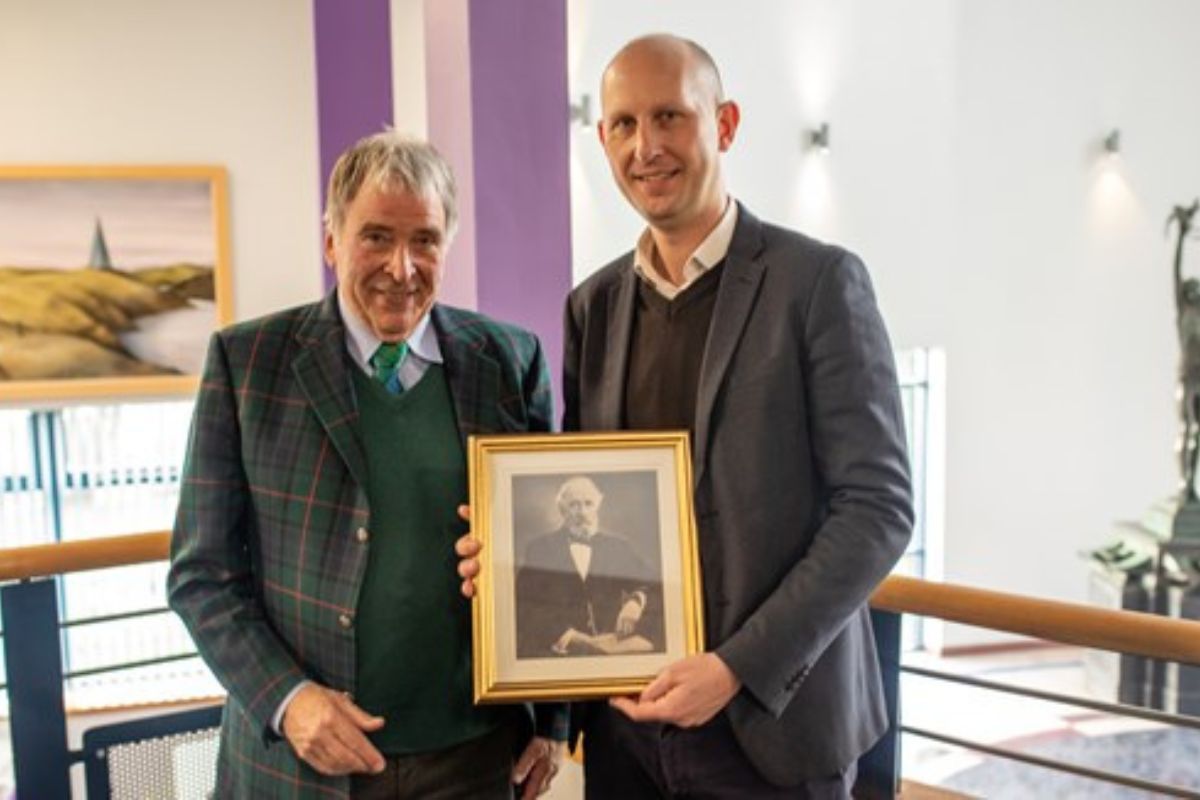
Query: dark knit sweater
x=666 y=351
x=413 y=628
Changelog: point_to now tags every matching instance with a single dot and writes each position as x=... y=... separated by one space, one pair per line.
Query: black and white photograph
x=589 y=581
x=589 y=571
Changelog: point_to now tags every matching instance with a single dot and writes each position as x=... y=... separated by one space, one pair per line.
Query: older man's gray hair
x=391 y=161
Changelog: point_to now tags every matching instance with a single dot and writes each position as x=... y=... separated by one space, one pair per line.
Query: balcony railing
x=1121 y=631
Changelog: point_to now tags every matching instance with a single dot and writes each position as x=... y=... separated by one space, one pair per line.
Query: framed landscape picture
x=588 y=582
x=111 y=279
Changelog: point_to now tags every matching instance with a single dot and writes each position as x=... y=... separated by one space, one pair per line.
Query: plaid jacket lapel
x=474 y=377
x=322 y=370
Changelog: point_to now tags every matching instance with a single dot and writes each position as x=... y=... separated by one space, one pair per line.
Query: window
x=86 y=472
x=921 y=374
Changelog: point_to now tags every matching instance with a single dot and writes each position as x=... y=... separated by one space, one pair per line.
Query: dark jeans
x=478 y=768
x=624 y=759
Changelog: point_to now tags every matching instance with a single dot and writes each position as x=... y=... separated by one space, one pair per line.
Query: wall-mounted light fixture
x=581 y=112
x=1112 y=142
x=818 y=138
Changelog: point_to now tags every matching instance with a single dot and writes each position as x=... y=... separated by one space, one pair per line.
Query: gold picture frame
x=112 y=278
x=550 y=623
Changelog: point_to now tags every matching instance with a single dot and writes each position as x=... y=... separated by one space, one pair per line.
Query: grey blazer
x=802 y=491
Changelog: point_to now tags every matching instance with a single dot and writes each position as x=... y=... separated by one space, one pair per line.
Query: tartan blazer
x=266 y=559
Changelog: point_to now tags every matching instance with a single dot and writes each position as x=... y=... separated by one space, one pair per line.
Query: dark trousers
x=478 y=768
x=636 y=761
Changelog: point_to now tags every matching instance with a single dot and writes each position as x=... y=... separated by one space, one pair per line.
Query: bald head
x=664 y=125
x=664 y=49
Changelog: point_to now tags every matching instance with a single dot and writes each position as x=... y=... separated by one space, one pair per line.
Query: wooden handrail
x=1133 y=632
x=36 y=561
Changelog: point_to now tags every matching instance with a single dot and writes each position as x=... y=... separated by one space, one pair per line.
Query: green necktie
x=386 y=362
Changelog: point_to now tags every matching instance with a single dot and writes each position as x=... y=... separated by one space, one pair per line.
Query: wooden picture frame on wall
x=112 y=279
x=589 y=577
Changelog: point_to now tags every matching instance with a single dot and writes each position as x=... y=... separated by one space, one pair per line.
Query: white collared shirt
x=710 y=253
x=361 y=344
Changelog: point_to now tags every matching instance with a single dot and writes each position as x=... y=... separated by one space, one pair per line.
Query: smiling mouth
x=396 y=299
x=652 y=178
x=396 y=291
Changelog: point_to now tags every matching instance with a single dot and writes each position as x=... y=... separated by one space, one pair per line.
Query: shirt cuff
x=277 y=717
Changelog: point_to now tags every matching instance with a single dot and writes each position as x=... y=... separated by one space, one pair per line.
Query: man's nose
x=647 y=143
x=400 y=265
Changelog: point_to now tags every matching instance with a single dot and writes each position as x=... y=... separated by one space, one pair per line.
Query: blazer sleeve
x=856 y=431
x=211 y=579
x=539 y=397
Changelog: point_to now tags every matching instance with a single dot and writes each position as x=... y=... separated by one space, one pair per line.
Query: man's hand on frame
x=325 y=729
x=467 y=548
x=686 y=693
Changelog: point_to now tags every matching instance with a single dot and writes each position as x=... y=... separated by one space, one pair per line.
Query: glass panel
x=913 y=372
x=120 y=466
x=25 y=502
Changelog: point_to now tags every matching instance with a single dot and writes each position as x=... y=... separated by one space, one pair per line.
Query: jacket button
x=345 y=621
x=362 y=534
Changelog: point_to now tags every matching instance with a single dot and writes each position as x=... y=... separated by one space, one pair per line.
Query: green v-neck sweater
x=413 y=627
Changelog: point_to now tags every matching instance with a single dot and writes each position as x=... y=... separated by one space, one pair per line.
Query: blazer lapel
x=735 y=299
x=473 y=377
x=321 y=369
x=620 y=331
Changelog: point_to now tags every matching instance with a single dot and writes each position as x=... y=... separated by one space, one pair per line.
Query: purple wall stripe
x=520 y=127
x=354 y=77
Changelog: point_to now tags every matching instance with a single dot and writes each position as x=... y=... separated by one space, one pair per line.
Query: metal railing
x=1131 y=632
x=88 y=471
x=38 y=669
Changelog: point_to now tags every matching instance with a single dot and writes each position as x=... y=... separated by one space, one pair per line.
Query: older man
x=312 y=558
x=768 y=347
x=581 y=590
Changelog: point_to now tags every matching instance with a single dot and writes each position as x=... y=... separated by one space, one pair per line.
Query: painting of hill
x=53 y=321
x=107 y=277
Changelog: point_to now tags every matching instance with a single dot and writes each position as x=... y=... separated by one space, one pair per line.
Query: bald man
x=768 y=347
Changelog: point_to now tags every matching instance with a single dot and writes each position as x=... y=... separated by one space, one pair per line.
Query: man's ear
x=329 y=249
x=728 y=117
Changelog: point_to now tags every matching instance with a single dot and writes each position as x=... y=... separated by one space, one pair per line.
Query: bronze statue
x=1187 y=320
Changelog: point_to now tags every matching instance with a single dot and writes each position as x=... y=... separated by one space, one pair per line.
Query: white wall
x=1069 y=247
x=965 y=167
x=220 y=82
x=409 y=111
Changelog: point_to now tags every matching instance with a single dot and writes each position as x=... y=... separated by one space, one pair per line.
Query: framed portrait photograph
x=589 y=581
x=111 y=279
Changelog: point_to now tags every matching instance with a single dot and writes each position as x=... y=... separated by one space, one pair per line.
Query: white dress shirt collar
x=361 y=341
x=711 y=251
